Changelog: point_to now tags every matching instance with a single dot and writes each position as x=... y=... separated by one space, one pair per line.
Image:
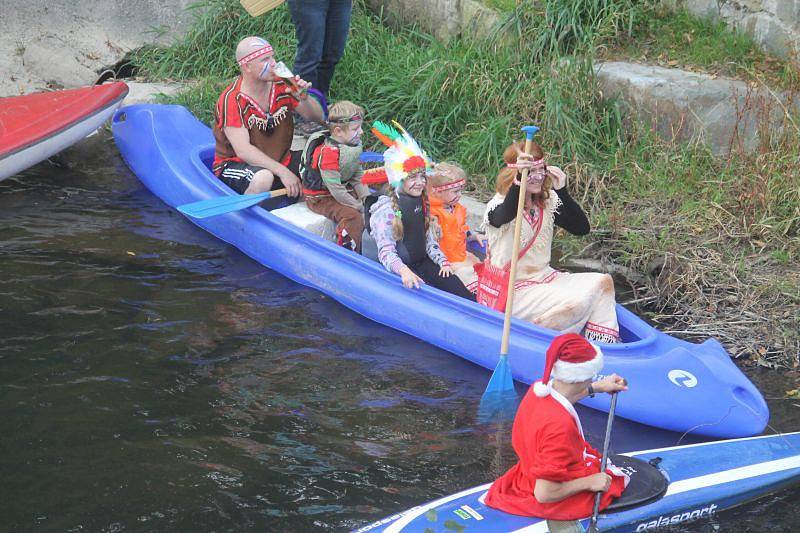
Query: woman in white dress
x=569 y=303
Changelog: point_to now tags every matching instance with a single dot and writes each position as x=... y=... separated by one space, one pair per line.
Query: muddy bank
x=61 y=43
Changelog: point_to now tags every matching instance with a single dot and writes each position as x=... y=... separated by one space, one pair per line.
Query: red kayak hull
x=35 y=126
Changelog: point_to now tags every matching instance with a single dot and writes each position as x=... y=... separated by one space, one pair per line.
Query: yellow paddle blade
x=259 y=7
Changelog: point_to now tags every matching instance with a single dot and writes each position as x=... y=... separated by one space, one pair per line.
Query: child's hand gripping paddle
x=226 y=204
x=500 y=396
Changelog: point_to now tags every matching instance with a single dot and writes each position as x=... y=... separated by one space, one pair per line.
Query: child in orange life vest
x=445 y=185
x=332 y=185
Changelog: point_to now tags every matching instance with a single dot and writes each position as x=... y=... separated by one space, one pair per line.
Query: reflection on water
x=153 y=378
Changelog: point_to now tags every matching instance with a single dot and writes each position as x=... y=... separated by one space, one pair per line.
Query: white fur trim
x=577 y=372
x=540 y=389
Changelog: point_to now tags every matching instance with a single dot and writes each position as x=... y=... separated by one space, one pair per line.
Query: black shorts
x=238 y=175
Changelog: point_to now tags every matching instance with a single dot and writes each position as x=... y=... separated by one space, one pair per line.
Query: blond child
x=445 y=186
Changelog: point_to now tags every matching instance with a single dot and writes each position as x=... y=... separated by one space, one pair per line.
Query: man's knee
x=261 y=182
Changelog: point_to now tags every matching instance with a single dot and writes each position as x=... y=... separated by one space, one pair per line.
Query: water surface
x=153 y=378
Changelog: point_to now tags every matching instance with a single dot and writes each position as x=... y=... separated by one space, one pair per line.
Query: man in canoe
x=253 y=124
x=558 y=472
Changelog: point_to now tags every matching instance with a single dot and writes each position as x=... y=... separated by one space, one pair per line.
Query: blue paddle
x=226 y=204
x=500 y=396
x=371 y=157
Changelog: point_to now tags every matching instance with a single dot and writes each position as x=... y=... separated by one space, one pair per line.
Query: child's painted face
x=348 y=133
x=449 y=197
x=414 y=184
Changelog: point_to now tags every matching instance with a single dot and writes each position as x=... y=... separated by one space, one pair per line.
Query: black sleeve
x=570 y=216
x=507 y=211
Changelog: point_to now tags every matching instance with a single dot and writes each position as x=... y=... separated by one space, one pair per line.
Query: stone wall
x=774 y=24
x=66 y=43
x=444 y=19
x=725 y=114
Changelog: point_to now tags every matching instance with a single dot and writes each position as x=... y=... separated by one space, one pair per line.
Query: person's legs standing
x=336 y=29
x=309 y=17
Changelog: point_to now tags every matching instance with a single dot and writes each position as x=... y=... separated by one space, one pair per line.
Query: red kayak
x=36 y=126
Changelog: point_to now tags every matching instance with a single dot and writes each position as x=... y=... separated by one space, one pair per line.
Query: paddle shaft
x=512 y=279
x=604 y=461
x=278 y=192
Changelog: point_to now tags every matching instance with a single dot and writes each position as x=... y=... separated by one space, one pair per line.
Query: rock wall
x=725 y=114
x=774 y=24
x=67 y=43
x=444 y=19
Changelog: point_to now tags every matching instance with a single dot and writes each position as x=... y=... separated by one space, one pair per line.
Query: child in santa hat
x=445 y=186
x=558 y=472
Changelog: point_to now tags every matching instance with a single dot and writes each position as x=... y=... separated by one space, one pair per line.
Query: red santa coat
x=548 y=439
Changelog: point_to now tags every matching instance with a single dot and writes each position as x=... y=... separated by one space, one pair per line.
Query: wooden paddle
x=259 y=7
x=501 y=384
x=603 y=463
x=225 y=204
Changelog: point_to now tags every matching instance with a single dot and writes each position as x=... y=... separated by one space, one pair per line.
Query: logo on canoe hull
x=664 y=521
x=682 y=378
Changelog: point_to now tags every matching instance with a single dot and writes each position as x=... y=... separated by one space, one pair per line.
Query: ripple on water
x=154 y=379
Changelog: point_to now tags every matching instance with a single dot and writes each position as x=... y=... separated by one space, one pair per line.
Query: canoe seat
x=301 y=216
x=647 y=484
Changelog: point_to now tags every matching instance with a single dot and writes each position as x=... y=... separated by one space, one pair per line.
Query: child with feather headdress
x=399 y=231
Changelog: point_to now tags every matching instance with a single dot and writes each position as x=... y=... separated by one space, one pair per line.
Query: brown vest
x=270 y=132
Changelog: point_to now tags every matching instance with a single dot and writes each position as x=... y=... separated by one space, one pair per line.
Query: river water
x=153 y=378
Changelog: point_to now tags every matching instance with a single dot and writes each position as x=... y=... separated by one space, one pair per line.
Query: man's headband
x=452 y=185
x=263 y=48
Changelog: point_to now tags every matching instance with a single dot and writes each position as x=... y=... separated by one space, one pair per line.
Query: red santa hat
x=571 y=359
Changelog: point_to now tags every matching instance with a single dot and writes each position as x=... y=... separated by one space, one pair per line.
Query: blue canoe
x=700 y=480
x=676 y=385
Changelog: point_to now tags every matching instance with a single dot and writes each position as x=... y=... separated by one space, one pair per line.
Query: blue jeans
x=321 y=28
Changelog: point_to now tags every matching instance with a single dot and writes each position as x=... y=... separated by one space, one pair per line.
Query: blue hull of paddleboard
x=704 y=479
x=675 y=384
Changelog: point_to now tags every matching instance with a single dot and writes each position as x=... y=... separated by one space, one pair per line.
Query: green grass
x=501 y=5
